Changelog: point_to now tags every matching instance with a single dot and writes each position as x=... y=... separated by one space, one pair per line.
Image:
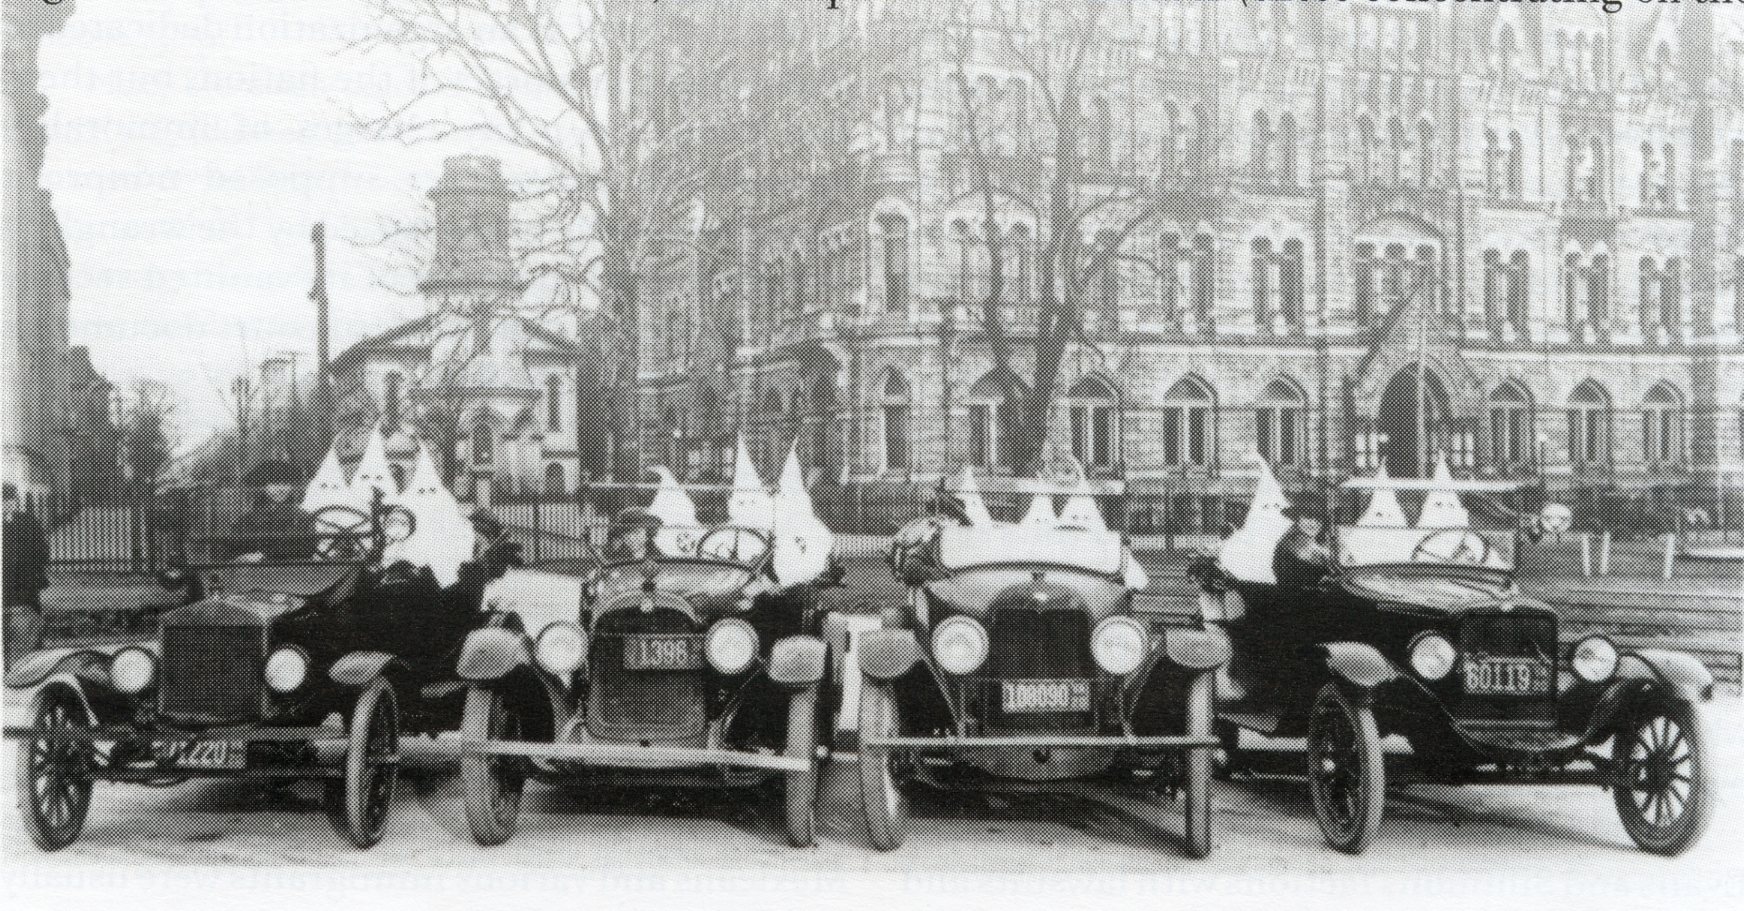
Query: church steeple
x=473 y=264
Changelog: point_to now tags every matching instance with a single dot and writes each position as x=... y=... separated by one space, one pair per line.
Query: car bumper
x=628 y=755
x=1030 y=742
x=323 y=767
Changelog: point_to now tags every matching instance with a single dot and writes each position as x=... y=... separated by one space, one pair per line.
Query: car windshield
x=1378 y=546
x=1413 y=585
x=688 y=578
x=302 y=580
x=728 y=544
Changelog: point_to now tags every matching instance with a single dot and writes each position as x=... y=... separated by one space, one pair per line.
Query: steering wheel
x=1452 y=545
x=733 y=543
x=339 y=528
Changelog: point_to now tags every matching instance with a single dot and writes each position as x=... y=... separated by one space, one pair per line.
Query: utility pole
x=318 y=294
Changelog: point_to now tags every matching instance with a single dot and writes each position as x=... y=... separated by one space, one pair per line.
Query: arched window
x=1261 y=162
x=1648 y=274
x=796 y=304
x=1363 y=303
x=1671 y=295
x=1174 y=267
x=1599 y=291
x=1189 y=423
x=1519 y=305
x=893 y=257
x=1668 y=189
x=1020 y=253
x=483 y=440
x=1365 y=148
x=1204 y=280
x=1589 y=426
x=555 y=485
x=554 y=404
x=897 y=416
x=1662 y=426
x=1510 y=427
x=391 y=393
x=1493 y=283
x=993 y=402
x=1091 y=407
x=1292 y=288
x=1262 y=285
x=1106 y=265
x=1280 y=423
x=1492 y=165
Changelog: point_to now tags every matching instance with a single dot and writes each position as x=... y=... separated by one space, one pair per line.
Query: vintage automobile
x=1017 y=662
x=676 y=658
x=1421 y=632
x=244 y=678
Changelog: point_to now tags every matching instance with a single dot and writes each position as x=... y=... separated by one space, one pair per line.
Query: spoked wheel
x=802 y=787
x=360 y=802
x=1198 y=790
x=1347 y=774
x=881 y=797
x=493 y=784
x=1662 y=795
x=54 y=781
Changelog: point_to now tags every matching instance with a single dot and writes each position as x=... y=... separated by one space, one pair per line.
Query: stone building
x=33 y=367
x=486 y=379
x=1505 y=234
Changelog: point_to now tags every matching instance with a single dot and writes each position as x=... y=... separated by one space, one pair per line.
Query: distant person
x=26 y=575
x=275 y=527
x=1302 y=557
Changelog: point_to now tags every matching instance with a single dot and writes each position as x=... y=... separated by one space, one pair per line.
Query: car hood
x=976 y=592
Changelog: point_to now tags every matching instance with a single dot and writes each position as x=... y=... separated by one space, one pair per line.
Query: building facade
x=33 y=368
x=485 y=380
x=1378 y=236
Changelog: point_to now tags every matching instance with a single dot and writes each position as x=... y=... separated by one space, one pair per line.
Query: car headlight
x=286 y=669
x=1594 y=659
x=132 y=670
x=960 y=644
x=561 y=648
x=1118 y=645
x=731 y=646
x=1432 y=656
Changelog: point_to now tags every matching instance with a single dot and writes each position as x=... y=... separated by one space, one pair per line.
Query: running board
x=228 y=735
x=610 y=754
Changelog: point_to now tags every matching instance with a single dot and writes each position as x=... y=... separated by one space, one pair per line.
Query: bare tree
x=614 y=97
x=149 y=433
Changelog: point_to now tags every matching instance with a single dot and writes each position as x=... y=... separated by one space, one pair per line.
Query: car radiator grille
x=1509 y=636
x=1037 y=645
x=642 y=705
x=212 y=673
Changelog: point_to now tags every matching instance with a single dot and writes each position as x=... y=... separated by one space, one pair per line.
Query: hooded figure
x=1247 y=554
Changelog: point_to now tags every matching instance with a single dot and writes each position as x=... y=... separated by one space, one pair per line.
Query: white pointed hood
x=1041 y=511
x=1384 y=510
x=749 y=505
x=1443 y=509
x=328 y=487
x=1081 y=511
x=1247 y=554
x=672 y=505
x=969 y=493
x=372 y=472
x=442 y=538
x=802 y=542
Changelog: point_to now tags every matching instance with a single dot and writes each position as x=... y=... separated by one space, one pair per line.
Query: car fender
x=357 y=669
x=886 y=654
x=1356 y=663
x=1682 y=675
x=1196 y=649
x=492 y=653
x=87 y=665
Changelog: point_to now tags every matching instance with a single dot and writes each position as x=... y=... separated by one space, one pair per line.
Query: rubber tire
x=1371 y=772
x=1676 y=839
x=493 y=800
x=50 y=837
x=362 y=800
x=801 y=788
x=882 y=801
x=1201 y=712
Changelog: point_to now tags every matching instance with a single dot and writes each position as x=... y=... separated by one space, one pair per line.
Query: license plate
x=1045 y=695
x=662 y=653
x=206 y=754
x=1505 y=676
